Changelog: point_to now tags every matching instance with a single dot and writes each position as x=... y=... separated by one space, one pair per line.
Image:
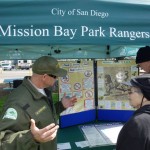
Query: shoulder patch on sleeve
x=10 y=113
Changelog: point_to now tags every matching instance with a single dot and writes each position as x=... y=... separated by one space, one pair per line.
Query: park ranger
x=28 y=120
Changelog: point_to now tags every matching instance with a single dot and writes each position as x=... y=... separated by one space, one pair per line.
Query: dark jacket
x=24 y=103
x=135 y=134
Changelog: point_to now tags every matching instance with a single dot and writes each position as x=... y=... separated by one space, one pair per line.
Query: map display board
x=112 y=94
x=113 y=102
x=79 y=82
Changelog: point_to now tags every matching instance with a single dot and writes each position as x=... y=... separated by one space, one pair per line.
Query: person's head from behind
x=46 y=70
x=139 y=90
x=143 y=58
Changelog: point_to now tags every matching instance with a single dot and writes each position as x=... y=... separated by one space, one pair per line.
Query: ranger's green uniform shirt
x=24 y=103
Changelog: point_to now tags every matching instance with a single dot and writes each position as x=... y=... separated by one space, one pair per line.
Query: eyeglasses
x=130 y=92
x=52 y=76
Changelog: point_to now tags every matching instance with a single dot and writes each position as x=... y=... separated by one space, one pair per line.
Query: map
x=112 y=94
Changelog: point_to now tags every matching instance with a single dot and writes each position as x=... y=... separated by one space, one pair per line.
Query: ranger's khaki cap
x=48 y=65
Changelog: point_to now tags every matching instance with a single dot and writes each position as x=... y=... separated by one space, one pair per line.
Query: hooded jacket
x=135 y=134
x=24 y=103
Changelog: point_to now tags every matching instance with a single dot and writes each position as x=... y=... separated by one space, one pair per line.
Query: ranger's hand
x=68 y=101
x=45 y=134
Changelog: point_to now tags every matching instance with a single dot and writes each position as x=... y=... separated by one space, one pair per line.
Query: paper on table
x=82 y=144
x=101 y=134
x=93 y=136
x=111 y=133
x=63 y=146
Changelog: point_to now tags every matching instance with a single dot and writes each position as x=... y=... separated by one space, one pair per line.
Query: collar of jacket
x=37 y=95
x=143 y=109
